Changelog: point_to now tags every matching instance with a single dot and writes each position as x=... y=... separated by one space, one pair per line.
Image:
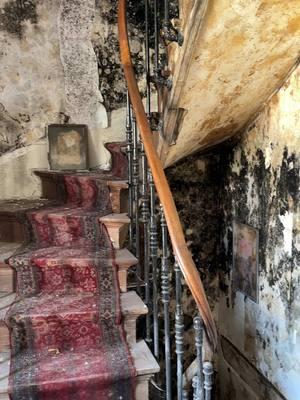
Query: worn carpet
x=67 y=337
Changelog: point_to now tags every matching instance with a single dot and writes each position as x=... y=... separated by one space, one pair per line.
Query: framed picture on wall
x=245 y=260
x=68 y=147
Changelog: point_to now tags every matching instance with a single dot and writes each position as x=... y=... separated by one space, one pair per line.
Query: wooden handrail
x=179 y=245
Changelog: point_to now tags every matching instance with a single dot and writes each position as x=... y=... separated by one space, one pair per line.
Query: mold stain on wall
x=195 y=184
x=15 y=13
x=61 y=63
x=261 y=188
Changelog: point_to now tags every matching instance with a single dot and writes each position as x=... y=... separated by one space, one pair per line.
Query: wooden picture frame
x=245 y=272
x=68 y=147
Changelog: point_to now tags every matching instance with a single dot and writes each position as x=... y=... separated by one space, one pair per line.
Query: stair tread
x=117 y=218
x=61 y=254
x=144 y=362
x=131 y=304
x=71 y=210
x=118 y=184
x=101 y=174
x=21 y=206
x=7 y=249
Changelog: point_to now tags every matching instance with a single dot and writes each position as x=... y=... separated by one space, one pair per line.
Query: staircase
x=68 y=322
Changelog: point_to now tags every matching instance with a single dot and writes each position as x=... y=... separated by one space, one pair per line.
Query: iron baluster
x=153 y=256
x=135 y=176
x=145 y=222
x=179 y=331
x=195 y=385
x=185 y=395
x=165 y=293
x=147 y=60
x=198 y=327
x=208 y=372
x=156 y=36
x=130 y=177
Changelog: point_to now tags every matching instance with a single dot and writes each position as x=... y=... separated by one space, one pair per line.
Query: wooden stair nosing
x=115 y=218
x=7 y=249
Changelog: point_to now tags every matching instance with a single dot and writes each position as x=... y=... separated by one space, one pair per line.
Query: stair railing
x=146 y=179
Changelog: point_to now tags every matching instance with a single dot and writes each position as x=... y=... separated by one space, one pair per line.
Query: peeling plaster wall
x=239 y=55
x=59 y=64
x=261 y=188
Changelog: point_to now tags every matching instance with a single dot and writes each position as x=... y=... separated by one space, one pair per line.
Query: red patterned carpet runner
x=67 y=338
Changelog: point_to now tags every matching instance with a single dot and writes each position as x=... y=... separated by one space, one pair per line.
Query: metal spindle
x=208 y=372
x=198 y=327
x=195 y=385
x=165 y=292
x=135 y=176
x=154 y=256
x=147 y=60
x=130 y=175
x=179 y=331
x=145 y=222
x=156 y=36
x=166 y=10
x=185 y=395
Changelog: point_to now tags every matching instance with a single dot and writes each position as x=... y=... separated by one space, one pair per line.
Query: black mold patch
x=111 y=77
x=11 y=131
x=195 y=188
x=15 y=13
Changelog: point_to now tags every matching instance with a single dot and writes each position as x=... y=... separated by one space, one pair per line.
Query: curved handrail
x=180 y=248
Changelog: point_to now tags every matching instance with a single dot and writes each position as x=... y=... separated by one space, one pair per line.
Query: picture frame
x=245 y=274
x=68 y=146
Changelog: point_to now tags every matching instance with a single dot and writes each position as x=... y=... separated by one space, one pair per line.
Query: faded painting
x=67 y=147
x=245 y=260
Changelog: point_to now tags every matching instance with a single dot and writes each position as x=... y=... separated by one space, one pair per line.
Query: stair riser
x=8 y=281
x=66 y=228
x=61 y=279
x=11 y=230
x=54 y=188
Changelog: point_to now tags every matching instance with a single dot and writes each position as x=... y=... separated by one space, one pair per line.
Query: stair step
x=13 y=217
x=117 y=227
x=53 y=187
x=144 y=362
x=66 y=225
x=123 y=260
x=132 y=307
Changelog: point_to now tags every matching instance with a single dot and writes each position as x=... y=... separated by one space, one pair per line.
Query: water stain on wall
x=15 y=13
